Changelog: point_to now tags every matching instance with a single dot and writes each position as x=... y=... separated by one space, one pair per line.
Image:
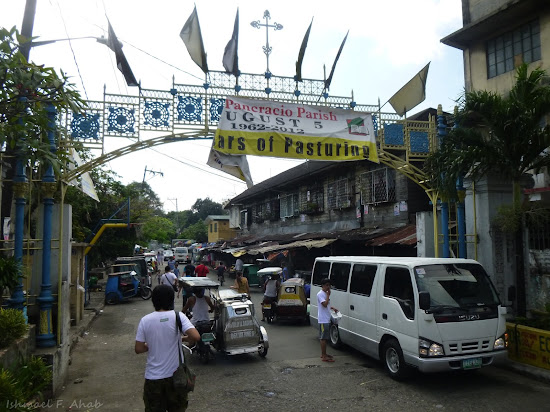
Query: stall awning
x=254 y=250
x=404 y=236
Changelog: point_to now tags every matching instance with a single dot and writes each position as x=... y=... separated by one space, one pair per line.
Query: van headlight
x=501 y=343
x=429 y=349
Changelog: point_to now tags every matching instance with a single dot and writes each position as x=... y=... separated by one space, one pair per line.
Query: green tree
x=197 y=231
x=502 y=134
x=205 y=207
x=26 y=90
x=158 y=228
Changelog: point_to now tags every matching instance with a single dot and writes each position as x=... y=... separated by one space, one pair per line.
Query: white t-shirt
x=200 y=311
x=323 y=314
x=271 y=288
x=158 y=330
x=169 y=279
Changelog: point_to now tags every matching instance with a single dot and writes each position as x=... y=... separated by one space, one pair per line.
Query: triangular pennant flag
x=230 y=58
x=301 y=54
x=192 y=37
x=121 y=62
x=329 y=80
x=412 y=94
x=235 y=165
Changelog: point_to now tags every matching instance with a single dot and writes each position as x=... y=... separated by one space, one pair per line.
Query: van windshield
x=461 y=285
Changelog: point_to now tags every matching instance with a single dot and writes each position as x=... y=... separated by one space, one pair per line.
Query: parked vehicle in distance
x=432 y=314
x=182 y=254
x=140 y=267
x=168 y=253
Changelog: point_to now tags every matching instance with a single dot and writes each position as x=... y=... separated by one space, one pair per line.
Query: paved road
x=291 y=377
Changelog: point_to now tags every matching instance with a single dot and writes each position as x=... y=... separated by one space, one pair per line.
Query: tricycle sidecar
x=292 y=302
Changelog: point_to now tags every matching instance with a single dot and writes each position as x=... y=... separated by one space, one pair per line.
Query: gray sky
x=388 y=43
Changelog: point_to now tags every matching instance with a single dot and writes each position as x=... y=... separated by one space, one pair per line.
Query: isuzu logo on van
x=468 y=317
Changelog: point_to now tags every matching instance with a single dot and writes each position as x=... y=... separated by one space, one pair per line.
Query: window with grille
x=339 y=194
x=272 y=211
x=312 y=200
x=378 y=186
x=506 y=52
x=289 y=205
x=258 y=213
x=244 y=218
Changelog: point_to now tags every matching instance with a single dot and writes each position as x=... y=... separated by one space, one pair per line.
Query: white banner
x=280 y=129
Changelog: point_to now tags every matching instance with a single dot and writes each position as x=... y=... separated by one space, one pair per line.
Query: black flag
x=329 y=80
x=121 y=62
x=301 y=54
x=230 y=58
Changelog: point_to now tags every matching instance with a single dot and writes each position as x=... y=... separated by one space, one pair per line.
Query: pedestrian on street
x=323 y=316
x=241 y=284
x=189 y=269
x=169 y=279
x=239 y=264
x=285 y=273
x=201 y=270
x=158 y=335
x=176 y=270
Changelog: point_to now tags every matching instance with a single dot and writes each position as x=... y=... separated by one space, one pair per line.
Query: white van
x=182 y=254
x=432 y=314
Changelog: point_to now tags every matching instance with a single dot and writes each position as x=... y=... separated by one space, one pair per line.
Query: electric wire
x=72 y=51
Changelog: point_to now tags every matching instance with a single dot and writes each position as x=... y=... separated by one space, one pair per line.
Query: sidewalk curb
x=533 y=372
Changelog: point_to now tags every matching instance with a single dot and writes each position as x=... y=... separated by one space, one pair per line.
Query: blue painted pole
x=445 y=228
x=441 y=133
x=461 y=218
x=45 y=337
x=20 y=189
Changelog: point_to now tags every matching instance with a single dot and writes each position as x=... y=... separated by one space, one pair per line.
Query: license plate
x=267 y=306
x=473 y=363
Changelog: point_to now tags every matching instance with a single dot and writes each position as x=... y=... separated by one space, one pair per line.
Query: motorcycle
x=269 y=309
x=204 y=346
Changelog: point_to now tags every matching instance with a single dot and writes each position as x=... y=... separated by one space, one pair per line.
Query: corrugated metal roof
x=403 y=236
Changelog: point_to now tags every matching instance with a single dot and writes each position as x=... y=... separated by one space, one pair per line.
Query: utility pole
x=177 y=218
x=150 y=171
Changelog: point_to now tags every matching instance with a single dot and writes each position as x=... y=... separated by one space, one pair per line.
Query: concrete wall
x=425 y=234
x=23 y=347
x=494 y=249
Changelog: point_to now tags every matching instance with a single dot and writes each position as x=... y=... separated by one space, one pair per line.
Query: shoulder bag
x=184 y=378
x=174 y=286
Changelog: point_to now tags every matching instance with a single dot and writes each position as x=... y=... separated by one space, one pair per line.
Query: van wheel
x=334 y=333
x=394 y=362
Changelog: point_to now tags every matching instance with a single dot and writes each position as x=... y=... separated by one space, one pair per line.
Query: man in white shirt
x=239 y=265
x=159 y=336
x=168 y=278
x=323 y=304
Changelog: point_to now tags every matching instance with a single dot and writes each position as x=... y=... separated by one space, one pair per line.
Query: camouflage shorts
x=160 y=396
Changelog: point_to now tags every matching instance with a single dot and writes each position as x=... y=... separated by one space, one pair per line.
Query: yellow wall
x=220 y=231
x=529 y=345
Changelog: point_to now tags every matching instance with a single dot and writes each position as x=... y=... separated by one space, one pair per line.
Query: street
x=107 y=375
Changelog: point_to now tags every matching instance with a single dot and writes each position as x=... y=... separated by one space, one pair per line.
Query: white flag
x=412 y=94
x=234 y=165
x=192 y=37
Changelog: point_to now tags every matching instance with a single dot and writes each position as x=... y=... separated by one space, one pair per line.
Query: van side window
x=398 y=285
x=362 y=278
x=320 y=271
x=339 y=275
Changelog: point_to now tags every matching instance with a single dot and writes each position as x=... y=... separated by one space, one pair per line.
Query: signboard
x=280 y=129
x=529 y=345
